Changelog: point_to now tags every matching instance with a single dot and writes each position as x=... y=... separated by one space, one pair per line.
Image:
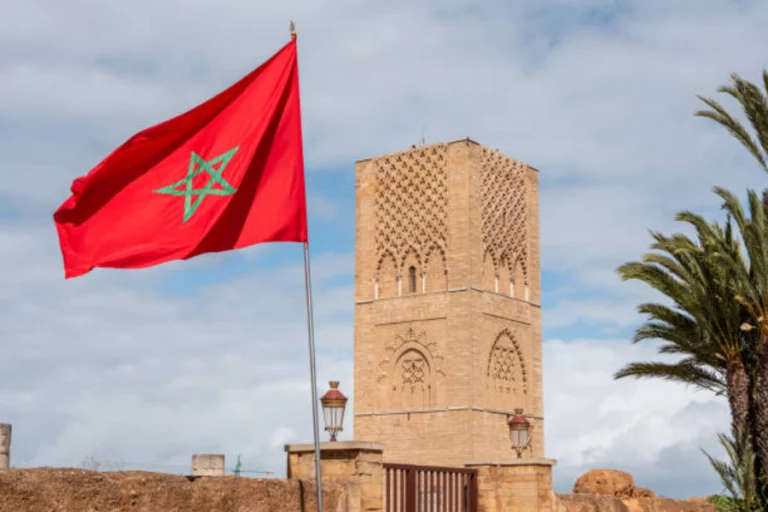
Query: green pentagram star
x=196 y=166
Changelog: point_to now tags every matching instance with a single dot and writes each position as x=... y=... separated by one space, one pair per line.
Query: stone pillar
x=208 y=465
x=515 y=485
x=5 y=446
x=358 y=463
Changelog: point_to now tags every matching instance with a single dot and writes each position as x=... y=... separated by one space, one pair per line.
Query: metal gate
x=429 y=489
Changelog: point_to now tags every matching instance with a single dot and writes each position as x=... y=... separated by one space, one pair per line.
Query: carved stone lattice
x=506 y=369
x=413 y=369
x=505 y=211
x=503 y=361
x=411 y=205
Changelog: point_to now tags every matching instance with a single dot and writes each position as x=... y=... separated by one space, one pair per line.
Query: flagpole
x=312 y=365
x=312 y=372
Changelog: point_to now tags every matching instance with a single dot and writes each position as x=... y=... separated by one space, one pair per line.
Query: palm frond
x=740 y=133
x=685 y=372
x=737 y=473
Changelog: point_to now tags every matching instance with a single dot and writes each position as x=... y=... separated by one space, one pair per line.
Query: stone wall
x=63 y=489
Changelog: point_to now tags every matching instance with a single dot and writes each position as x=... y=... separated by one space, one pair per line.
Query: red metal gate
x=429 y=489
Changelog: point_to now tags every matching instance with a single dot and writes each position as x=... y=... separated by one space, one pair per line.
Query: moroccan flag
x=227 y=174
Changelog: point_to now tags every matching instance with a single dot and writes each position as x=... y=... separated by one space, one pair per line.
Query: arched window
x=412 y=280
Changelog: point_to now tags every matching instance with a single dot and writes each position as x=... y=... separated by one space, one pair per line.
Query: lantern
x=519 y=428
x=334 y=403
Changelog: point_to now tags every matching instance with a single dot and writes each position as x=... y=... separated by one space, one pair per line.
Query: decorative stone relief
x=409 y=371
x=413 y=369
x=506 y=369
x=409 y=341
x=505 y=213
x=411 y=208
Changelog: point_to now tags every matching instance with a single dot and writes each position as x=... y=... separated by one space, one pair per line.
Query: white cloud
x=652 y=429
x=608 y=109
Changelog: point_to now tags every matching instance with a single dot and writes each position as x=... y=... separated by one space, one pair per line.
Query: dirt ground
x=76 y=490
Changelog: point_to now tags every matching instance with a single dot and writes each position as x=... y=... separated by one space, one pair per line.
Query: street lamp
x=334 y=403
x=519 y=428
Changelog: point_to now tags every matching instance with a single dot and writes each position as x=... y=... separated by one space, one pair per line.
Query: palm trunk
x=741 y=399
x=761 y=409
x=737 y=380
x=760 y=472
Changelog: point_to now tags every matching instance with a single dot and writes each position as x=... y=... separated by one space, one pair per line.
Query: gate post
x=357 y=463
x=5 y=446
x=515 y=485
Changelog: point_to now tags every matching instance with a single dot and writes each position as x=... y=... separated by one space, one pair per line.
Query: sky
x=145 y=368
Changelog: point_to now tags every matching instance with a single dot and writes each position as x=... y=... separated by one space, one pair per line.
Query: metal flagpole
x=311 y=329
x=312 y=370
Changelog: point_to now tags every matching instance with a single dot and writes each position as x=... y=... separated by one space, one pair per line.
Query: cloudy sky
x=148 y=367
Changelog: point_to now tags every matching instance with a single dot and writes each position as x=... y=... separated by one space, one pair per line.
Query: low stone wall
x=591 y=503
x=63 y=489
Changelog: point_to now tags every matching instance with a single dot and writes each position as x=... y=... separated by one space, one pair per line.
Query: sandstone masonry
x=447 y=315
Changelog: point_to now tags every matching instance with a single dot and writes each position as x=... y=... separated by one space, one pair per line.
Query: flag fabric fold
x=225 y=175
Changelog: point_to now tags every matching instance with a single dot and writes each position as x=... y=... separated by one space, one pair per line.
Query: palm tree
x=738 y=476
x=750 y=275
x=718 y=288
x=752 y=291
x=703 y=322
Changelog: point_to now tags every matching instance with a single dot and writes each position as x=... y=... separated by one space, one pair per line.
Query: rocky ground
x=604 y=490
x=75 y=490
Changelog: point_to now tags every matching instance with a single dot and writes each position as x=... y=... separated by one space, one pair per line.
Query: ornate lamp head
x=519 y=428
x=334 y=403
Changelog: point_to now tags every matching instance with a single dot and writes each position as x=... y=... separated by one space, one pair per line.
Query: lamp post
x=334 y=403
x=519 y=428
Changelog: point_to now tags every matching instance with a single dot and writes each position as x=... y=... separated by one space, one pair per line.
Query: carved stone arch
x=505 y=276
x=411 y=260
x=435 y=269
x=413 y=370
x=384 y=258
x=410 y=339
x=386 y=275
x=506 y=372
x=410 y=369
x=490 y=269
x=435 y=254
x=520 y=279
x=523 y=266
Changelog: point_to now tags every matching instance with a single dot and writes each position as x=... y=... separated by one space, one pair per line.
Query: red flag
x=227 y=174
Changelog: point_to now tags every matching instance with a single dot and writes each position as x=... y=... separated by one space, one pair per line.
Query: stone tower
x=447 y=303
